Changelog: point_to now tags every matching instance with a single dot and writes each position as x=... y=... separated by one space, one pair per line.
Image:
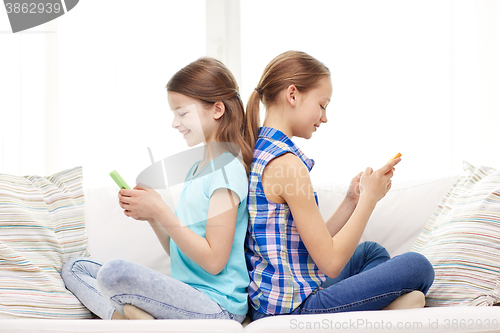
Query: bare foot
x=132 y=312
x=415 y=299
x=118 y=315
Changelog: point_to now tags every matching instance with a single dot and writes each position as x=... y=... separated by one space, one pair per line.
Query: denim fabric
x=369 y=281
x=106 y=288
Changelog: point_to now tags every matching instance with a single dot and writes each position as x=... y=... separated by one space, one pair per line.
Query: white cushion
x=399 y=217
x=436 y=320
x=42 y=226
x=121 y=326
x=462 y=241
x=395 y=223
x=111 y=234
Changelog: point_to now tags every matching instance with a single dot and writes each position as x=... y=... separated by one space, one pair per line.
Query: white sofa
x=396 y=223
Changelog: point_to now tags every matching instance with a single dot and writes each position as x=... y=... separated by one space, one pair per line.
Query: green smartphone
x=118 y=179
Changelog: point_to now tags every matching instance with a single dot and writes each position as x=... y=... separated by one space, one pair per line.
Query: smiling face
x=192 y=119
x=311 y=108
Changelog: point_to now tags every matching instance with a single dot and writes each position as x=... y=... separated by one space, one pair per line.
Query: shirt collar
x=273 y=133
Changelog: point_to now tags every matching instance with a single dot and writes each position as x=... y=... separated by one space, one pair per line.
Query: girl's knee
x=70 y=265
x=111 y=274
x=66 y=267
x=373 y=245
x=375 y=248
x=421 y=269
x=421 y=263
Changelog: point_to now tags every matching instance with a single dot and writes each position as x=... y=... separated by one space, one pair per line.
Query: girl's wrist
x=366 y=201
x=350 y=202
x=158 y=210
x=164 y=216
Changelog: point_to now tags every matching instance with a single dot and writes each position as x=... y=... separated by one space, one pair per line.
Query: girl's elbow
x=332 y=274
x=332 y=270
x=215 y=268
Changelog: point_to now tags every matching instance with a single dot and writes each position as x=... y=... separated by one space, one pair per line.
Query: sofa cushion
x=430 y=320
x=400 y=216
x=462 y=241
x=111 y=234
x=42 y=226
x=122 y=326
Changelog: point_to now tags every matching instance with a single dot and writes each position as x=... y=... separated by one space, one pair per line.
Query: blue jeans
x=371 y=280
x=106 y=288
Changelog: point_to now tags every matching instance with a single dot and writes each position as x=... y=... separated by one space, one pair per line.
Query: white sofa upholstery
x=396 y=223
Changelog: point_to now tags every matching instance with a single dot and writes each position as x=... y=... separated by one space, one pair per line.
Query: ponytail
x=252 y=119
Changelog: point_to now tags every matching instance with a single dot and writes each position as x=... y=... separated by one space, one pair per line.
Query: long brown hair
x=210 y=81
x=289 y=68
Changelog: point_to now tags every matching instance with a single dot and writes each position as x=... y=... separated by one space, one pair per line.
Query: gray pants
x=104 y=288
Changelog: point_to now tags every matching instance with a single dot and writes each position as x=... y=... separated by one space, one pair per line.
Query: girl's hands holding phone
x=374 y=185
x=353 y=191
x=140 y=204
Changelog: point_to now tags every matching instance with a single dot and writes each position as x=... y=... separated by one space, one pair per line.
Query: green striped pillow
x=462 y=241
x=42 y=225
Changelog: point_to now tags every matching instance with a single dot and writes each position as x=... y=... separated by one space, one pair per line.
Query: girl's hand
x=353 y=190
x=374 y=185
x=140 y=204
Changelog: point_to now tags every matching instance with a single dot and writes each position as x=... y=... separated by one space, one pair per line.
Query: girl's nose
x=175 y=123
x=323 y=117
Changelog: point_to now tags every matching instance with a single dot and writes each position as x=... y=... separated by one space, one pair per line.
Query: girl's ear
x=219 y=109
x=291 y=95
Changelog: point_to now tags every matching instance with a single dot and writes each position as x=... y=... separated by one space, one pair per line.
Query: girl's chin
x=192 y=143
x=307 y=135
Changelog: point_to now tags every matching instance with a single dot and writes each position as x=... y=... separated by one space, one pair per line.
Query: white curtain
x=420 y=77
x=108 y=102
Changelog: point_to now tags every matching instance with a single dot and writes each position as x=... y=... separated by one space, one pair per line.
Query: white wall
x=420 y=77
x=417 y=77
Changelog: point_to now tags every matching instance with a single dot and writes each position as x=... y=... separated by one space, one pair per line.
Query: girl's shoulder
x=288 y=158
x=285 y=168
x=229 y=173
x=270 y=148
x=230 y=163
x=270 y=144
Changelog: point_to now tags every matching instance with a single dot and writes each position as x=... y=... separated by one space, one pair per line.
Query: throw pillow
x=462 y=241
x=42 y=225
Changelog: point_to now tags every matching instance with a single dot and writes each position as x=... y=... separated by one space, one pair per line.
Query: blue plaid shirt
x=282 y=273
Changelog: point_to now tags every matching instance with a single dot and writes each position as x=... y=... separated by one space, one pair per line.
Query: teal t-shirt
x=229 y=287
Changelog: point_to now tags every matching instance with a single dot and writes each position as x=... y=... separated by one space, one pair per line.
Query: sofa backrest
x=400 y=216
x=396 y=222
x=111 y=234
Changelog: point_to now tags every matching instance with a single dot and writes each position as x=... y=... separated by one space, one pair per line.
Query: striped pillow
x=42 y=225
x=462 y=241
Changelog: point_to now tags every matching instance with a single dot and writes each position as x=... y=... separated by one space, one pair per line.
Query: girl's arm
x=329 y=254
x=340 y=217
x=162 y=235
x=212 y=252
x=346 y=207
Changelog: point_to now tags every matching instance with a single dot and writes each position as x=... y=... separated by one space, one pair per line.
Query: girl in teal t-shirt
x=205 y=235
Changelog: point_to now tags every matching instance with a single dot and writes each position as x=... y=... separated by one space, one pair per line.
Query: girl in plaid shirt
x=298 y=264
